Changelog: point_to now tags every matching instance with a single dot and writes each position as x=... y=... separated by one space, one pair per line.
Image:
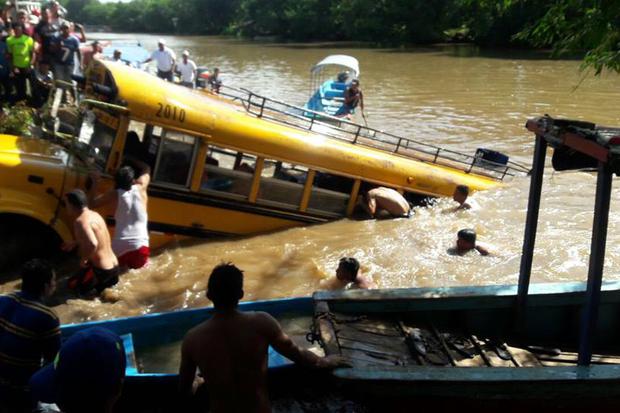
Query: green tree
x=574 y=26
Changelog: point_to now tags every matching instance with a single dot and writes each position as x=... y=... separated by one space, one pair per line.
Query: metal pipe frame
x=589 y=315
x=531 y=225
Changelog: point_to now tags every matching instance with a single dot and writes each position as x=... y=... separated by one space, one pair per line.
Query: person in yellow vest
x=20 y=47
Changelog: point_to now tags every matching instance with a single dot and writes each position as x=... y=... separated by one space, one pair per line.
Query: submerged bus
x=221 y=166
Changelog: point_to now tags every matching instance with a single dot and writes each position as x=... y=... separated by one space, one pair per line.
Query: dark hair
x=36 y=274
x=468 y=235
x=77 y=198
x=463 y=189
x=225 y=287
x=124 y=178
x=18 y=25
x=350 y=265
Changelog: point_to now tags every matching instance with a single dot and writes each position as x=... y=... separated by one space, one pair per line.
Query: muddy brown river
x=457 y=97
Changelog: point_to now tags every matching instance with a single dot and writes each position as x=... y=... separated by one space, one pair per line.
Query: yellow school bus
x=220 y=166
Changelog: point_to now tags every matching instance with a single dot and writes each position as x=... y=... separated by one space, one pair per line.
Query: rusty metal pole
x=597 y=260
x=531 y=224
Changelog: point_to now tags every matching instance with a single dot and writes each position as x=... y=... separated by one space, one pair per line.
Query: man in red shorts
x=131 y=236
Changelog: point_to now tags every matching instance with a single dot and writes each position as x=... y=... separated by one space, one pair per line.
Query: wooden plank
x=372 y=330
x=326 y=329
x=524 y=358
x=390 y=343
x=371 y=348
x=366 y=359
x=439 y=337
x=571 y=358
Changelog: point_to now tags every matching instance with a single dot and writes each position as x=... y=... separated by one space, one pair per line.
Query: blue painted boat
x=328 y=81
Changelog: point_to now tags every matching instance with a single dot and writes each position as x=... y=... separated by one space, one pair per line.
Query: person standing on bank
x=131 y=235
x=187 y=69
x=66 y=47
x=165 y=59
x=21 y=49
x=29 y=334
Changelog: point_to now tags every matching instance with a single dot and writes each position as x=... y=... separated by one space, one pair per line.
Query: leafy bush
x=16 y=121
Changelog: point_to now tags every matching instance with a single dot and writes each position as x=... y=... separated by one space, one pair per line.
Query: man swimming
x=231 y=349
x=99 y=264
x=385 y=199
x=465 y=242
x=348 y=275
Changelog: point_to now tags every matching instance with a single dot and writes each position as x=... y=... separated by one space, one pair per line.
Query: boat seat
x=331 y=93
x=338 y=85
x=130 y=355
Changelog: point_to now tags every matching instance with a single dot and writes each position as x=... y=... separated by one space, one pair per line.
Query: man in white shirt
x=165 y=59
x=187 y=69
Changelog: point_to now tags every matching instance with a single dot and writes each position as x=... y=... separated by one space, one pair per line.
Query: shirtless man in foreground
x=230 y=349
x=348 y=275
x=386 y=199
x=98 y=262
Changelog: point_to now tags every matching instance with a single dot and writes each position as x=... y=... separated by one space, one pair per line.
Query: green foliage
x=571 y=26
x=587 y=27
x=16 y=121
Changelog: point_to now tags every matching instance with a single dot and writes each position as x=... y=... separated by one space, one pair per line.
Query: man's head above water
x=466 y=240
x=225 y=287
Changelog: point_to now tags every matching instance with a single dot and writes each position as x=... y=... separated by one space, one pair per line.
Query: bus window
x=330 y=194
x=175 y=158
x=282 y=183
x=228 y=171
x=98 y=131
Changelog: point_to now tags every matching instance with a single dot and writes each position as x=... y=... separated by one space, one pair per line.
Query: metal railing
x=342 y=129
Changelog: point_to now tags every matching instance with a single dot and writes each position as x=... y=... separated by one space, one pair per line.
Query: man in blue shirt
x=67 y=46
x=29 y=332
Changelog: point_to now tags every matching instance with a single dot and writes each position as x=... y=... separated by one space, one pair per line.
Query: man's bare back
x=389 y=200
x=231 y=351
x=93 y=240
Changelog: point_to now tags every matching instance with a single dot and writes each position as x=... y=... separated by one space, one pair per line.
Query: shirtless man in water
x=386 y=199
x=348 y=275
x=98 y=262
x=230 y=349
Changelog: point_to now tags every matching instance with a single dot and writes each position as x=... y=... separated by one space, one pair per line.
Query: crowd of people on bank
x=36 y=47
x=40 y=46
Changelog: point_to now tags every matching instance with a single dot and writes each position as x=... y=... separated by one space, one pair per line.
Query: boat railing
x=342 y=129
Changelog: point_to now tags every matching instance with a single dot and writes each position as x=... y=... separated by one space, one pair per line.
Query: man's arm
x=79 y=54
x=361 y=100
x=371 y=205
x=187 y=369
x=283 y=344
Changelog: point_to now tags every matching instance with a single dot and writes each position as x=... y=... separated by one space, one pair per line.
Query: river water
x=457 y=97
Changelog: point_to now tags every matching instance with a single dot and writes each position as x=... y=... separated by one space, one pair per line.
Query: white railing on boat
x=338 y=128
